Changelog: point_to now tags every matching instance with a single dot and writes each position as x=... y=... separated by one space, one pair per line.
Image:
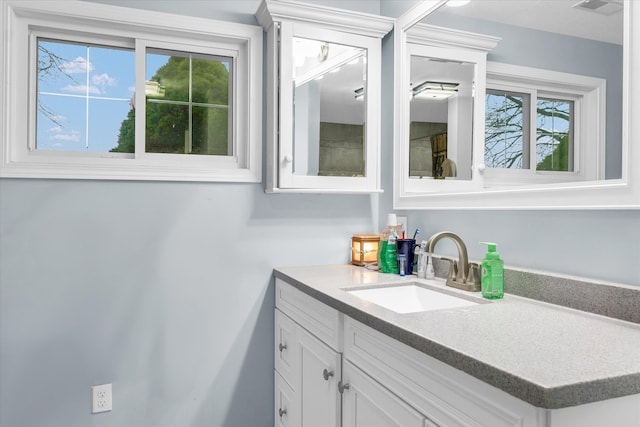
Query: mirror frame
x=623 y=193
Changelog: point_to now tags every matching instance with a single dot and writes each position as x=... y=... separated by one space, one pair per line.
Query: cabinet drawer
x=316 y=317
x=285 y=347
x=444 y=394
x=285 y=409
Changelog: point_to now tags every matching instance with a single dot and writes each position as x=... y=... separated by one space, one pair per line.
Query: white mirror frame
x=623 y=193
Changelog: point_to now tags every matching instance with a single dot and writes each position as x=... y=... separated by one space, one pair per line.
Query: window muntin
x=84 y=92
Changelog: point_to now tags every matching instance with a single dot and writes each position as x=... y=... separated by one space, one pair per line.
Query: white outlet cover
x=101 y=398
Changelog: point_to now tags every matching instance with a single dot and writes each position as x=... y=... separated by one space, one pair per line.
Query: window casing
x=545 y=113
x=217 y=131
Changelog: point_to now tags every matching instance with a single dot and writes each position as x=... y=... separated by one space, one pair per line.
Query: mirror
x=441 y=111
x=522 y=150
x=329 y=108
x=565 y=150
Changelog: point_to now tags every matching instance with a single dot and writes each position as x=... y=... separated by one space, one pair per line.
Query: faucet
x=462 y=274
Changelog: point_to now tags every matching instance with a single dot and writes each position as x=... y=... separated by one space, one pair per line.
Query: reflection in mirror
x=508 y=132
x=535 y=131
x=329 y=108
x=441 y=110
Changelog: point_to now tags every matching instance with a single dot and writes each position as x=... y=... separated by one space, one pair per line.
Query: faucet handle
x=453 y=268
x=473 y=278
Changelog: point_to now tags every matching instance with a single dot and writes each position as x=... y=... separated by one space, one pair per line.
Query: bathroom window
x=130 y=94
x=543 y=126
x=516 y=139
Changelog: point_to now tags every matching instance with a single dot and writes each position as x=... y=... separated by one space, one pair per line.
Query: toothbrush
x=402 y=233
x=416 y=233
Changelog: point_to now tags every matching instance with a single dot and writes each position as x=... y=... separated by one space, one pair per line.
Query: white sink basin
x=410 y=298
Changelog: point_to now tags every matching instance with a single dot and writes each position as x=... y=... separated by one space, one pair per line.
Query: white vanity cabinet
x=323 y=76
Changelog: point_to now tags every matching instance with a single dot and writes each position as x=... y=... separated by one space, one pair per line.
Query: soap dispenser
x=492 y=282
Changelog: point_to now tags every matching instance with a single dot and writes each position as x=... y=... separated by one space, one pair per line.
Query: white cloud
x=104 y=80
x=73 y=136
x=55 y=129
x=78 y=65
x=83 y=89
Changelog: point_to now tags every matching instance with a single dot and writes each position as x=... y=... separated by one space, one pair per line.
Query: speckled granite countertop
x=547 y=355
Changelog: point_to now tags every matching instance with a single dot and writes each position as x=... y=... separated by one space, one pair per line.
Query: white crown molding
x=349 y=21
x=447 y=37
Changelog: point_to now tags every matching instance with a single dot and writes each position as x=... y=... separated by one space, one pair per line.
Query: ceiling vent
x=602 y=7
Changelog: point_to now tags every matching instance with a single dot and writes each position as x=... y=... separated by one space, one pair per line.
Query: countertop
x=547 y=355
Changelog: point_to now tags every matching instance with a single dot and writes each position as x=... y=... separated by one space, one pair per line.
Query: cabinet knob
x=342 y=387
x=481 y=168
x=282 y=412
x=287 y=159
x=282 y=347
x=326 y=374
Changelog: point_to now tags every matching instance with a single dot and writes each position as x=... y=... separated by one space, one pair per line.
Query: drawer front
x=285 y=409
x=285 y=347
x=444 y=394
x=321 y=320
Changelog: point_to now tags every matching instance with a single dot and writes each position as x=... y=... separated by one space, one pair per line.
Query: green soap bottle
x=492 y=282
x=382 y=256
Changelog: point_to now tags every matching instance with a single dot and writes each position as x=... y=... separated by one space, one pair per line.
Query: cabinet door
x=285 y=411
x=368 y=404
x=320 y=370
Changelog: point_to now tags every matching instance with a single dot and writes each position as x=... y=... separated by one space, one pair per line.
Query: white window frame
x=589 y=126
x=24 y=21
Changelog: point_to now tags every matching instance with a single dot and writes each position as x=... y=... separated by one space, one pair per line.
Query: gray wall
x=165 y=289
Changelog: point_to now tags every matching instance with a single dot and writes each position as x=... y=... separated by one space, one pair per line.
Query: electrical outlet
x=102 y=398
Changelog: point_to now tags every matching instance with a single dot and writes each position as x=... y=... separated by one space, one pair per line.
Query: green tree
x=558 y=160
x=176 y=124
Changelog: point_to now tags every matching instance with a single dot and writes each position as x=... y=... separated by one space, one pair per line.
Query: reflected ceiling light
x=359 y=94
x=457 y=3
x=435 y=90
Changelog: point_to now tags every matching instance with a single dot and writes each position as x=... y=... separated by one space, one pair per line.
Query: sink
x=410 y=298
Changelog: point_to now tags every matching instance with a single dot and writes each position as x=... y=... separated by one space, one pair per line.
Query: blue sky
x=88 y=95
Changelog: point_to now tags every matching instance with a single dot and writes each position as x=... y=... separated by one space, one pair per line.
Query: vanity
x=342 y=360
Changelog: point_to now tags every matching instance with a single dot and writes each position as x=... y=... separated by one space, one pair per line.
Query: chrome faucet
x=462 y=274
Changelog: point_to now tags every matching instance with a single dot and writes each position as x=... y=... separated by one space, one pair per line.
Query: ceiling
x=558 y=16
